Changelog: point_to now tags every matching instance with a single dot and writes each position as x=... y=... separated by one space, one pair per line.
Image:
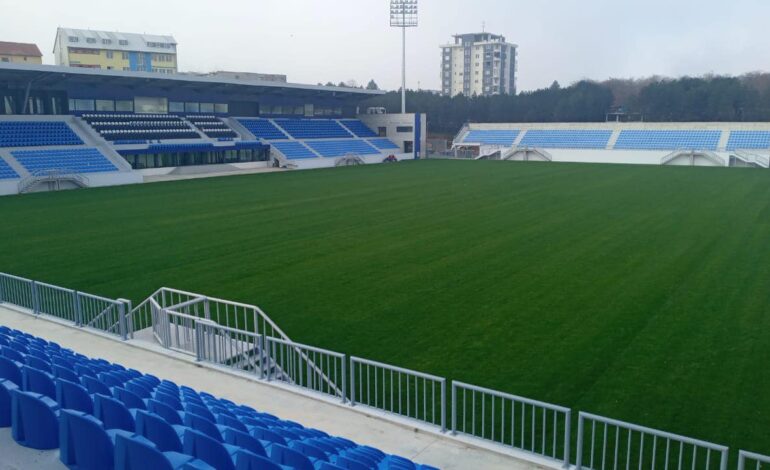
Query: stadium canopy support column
x=403 y=70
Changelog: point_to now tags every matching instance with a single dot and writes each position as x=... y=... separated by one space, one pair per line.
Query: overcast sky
x=315 y=41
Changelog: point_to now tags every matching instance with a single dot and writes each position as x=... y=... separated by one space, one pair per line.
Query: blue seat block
x=84 y=444
x=34 y=420
x=158 y=431
x=12 y=354
x=113 y=413
x=6 y=388
x=290 y=458
x=73 y=396
x=10 y=370
x=37 y=381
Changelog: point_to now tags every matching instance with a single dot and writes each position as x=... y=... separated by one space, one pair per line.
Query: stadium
x=208 y=272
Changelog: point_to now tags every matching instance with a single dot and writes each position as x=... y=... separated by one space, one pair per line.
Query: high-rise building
x=20 y=53
x=115 y=51
x=479 y=64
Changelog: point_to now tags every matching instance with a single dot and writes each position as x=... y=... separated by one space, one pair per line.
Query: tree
x=329 y=84
x=372 y=85
x=342 y=85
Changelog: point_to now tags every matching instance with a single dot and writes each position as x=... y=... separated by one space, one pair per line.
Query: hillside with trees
x=658 y=99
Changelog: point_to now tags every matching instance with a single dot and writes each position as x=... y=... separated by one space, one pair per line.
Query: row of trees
x=708 y=98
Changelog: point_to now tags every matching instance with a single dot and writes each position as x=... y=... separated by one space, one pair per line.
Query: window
x=73 y=39
x=5 y=59
x=124 y=105
x=175 y=107
x=192 y=107
x=109 y=54
x=84 y=105
x=105 y=105
x=150 y=105
x=221 y=108
x=123 y=42
x=207 y=107
x=124 y=55
x=126 y=69
x=106 y=41
x=403 y=129
x=91 y=40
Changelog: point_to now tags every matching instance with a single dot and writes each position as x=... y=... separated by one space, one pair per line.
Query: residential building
x=20 y=53
x=115 y=51
x=480 y=64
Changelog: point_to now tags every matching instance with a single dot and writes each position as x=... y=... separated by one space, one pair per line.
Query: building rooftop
x=90 y=39
x=19 y=49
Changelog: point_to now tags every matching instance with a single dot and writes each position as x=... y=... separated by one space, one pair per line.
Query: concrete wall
x=392 y=121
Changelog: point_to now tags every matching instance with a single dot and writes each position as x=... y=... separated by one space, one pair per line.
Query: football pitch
x=637 y=292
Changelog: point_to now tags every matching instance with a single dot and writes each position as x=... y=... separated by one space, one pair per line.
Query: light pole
x=403 y=14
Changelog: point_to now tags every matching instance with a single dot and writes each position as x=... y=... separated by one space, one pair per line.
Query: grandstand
x=126 y=128
x=692 y=144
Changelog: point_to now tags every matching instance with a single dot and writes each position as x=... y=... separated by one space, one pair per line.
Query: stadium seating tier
x=6 y=172
x=36 y=134
x=358 y=128
x=263 y=129
x=339 y=148
x=492 y=137
x=667 y=140
x=77 y=160
x=313 y=128
x=294 y=150
x=136 y=421
x=383 y=144
x=566 y=139
x=749 y=140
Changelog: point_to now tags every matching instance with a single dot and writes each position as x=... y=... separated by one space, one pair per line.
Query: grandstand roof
x=54 y=75
x=20 y=49
x=117 y=41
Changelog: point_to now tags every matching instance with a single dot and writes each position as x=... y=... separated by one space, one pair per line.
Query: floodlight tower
x=403 y=14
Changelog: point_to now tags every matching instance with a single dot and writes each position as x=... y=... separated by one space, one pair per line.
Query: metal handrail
x=745 y=455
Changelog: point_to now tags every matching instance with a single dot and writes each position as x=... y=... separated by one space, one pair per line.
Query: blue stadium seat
x=37 y=363
x=84 y=444
x=263 y=129
x=313 y=128
x=6 y=388
x=339 y=148
x=315 y=454
x=211 y=451
x=73 y=396
x=294 y=150
x=60 y=372
x=227 y=419
x=566 y=138
x=505 y=138
x=77 y=160
x=268 y=437
x=36 y=134
x=130 y=399
x=13 y=354
x=291 y=458
x=34 y=420
x=358 y=128
x=746 y=140
x=137 y=453
x=244 y=441
x=10 y=370
x=245 y=460
x=94 y=386
x=113 y=413
x=37 y=381
x=159 y=431
x=204 y=425
x=6 y=172
x=384 y=144
x=350 y=464
x=667 y=140
x=165 y=411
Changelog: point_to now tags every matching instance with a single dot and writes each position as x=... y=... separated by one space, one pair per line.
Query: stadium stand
x=6 y=172
x=36 y=134
x=338 y=148
x=78 y=160
x=749 y=140
x=492 y=137
x=294 y=150
x=667 y=140
x=114 y=127
x=212 y=126
x=358 y=128
x=130 y=420
x=263 y=129
x=566 y=139
x=383 y=144
x=313 y=128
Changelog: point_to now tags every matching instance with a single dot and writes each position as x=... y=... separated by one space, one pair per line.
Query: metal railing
x=751 y=461
x=521 y=423
x=307 y=367
x=610 y=443
x=18 y=291
x=400 y=391
x=229 y=347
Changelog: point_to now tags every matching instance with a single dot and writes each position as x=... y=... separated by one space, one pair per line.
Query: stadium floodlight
x=403 y=14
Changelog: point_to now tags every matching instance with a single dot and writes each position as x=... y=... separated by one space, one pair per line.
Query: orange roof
x=19 y=48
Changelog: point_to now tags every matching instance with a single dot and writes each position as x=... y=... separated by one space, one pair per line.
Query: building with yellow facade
x=115 y=51
x=20 y=53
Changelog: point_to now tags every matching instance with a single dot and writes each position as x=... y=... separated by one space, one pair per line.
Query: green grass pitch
x=637 y=292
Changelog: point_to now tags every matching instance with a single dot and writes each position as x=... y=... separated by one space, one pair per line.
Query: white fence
x=521 y=423
x=607 y=443
x=751 y=461
x=242 y=337
x=400 y=391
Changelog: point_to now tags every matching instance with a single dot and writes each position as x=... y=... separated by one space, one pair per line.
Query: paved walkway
x=356 y=424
